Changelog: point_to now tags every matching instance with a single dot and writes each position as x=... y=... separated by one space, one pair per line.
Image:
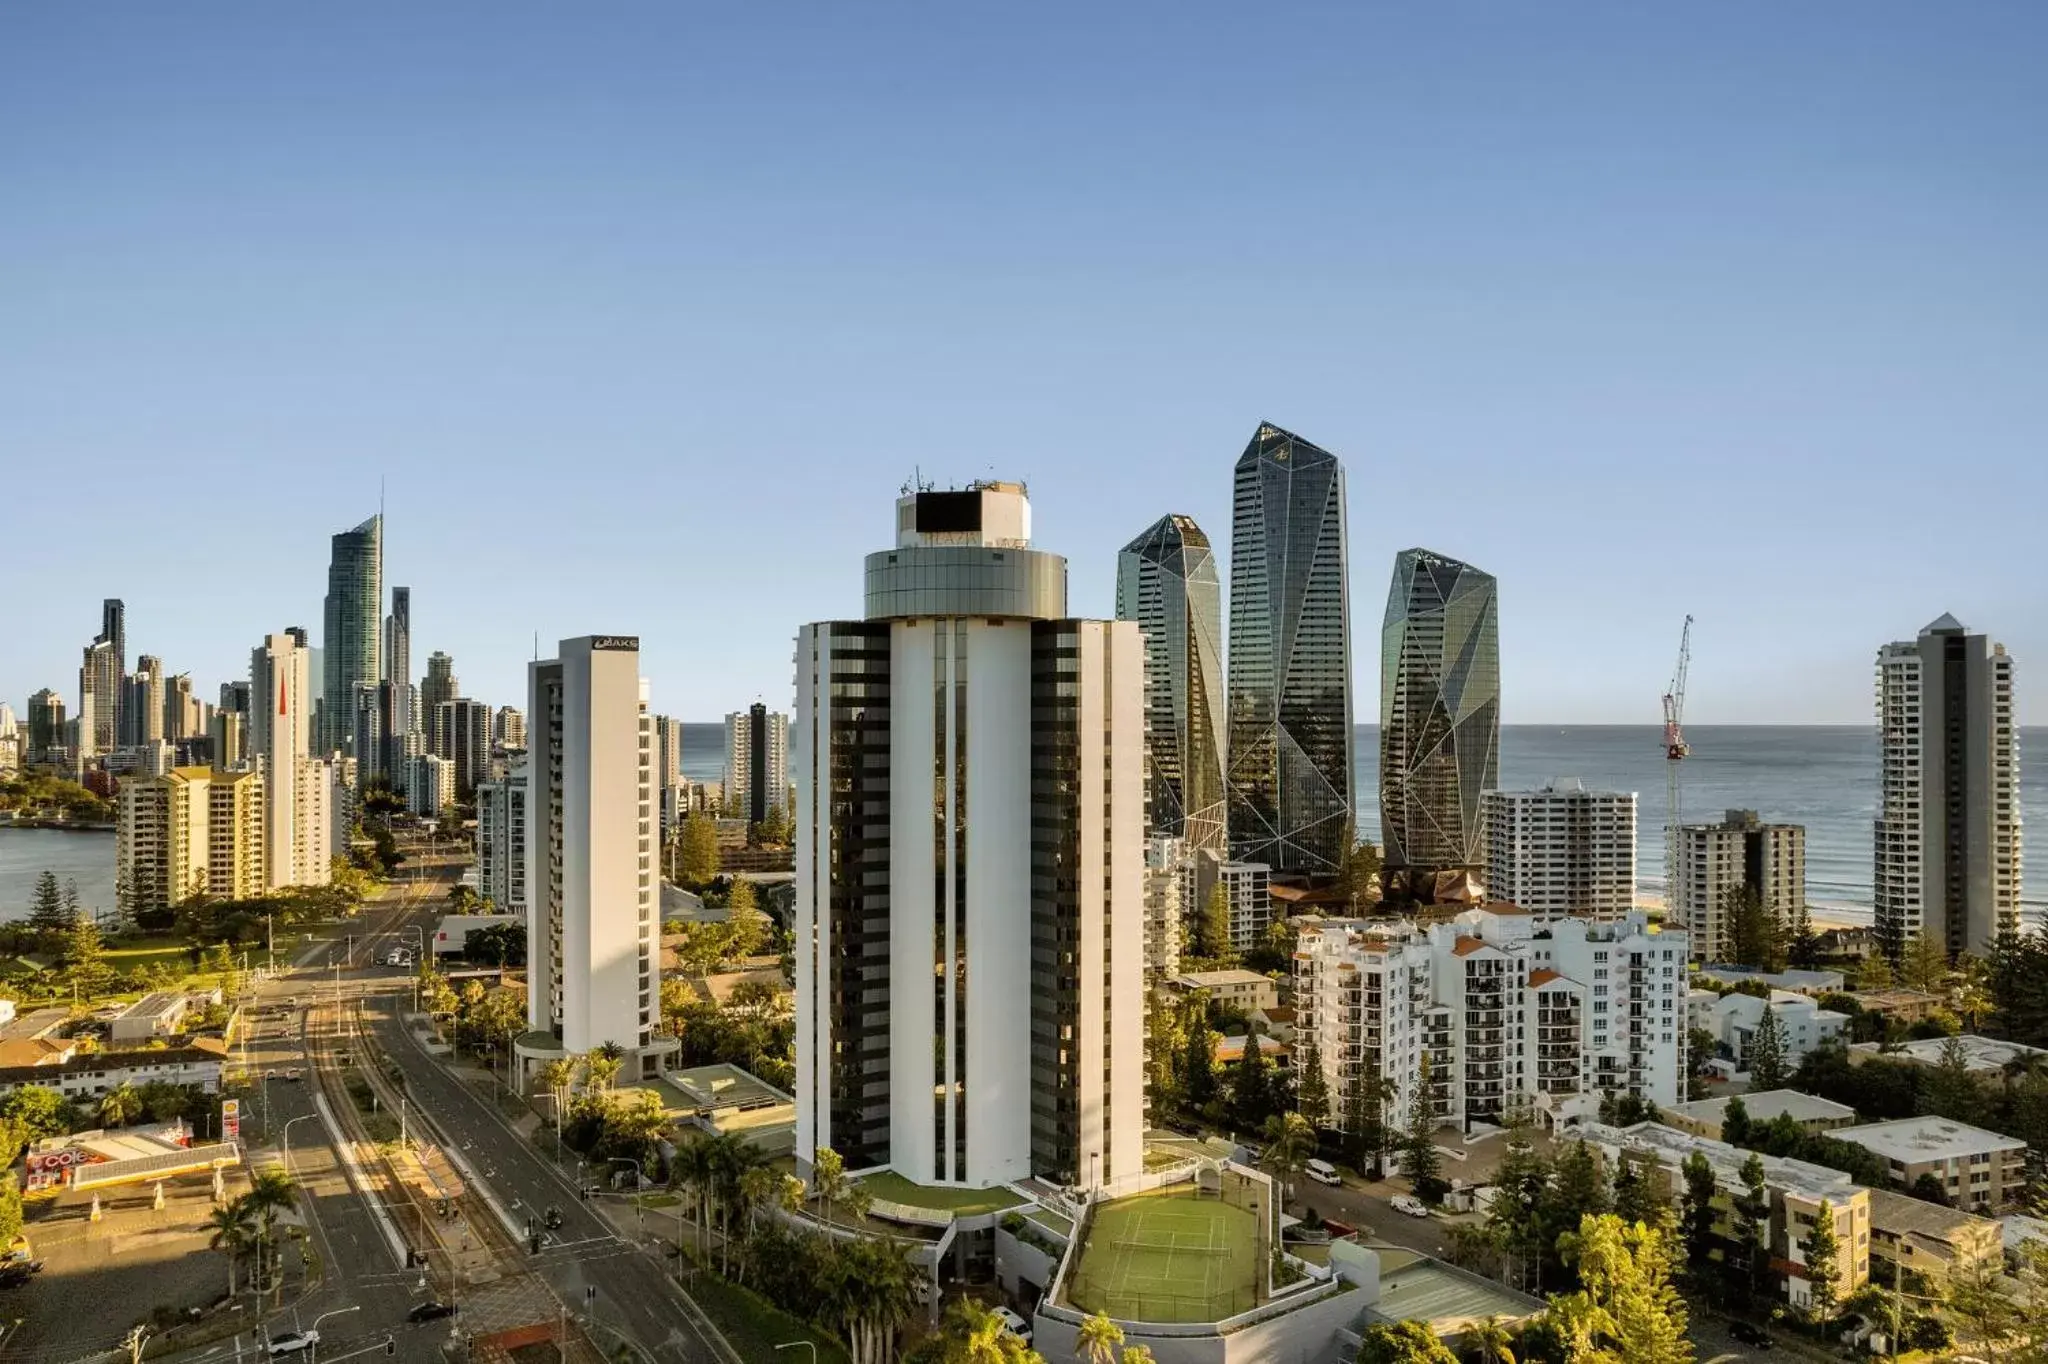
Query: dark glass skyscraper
x=1290 y=657
x=1439 y=715
x=112 y=728
x=1166 y=581
x=354 y=620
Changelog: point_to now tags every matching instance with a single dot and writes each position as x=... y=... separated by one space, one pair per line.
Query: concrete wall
x=1305 y=1335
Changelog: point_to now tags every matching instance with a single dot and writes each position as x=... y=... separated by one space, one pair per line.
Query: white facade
x=1715 y=861
x=985 y=1023
x=593 y=942
x=1948 y=823
x=1248 y=892
x=1562 y=851
x=1166 y=881
x=1803 y=1024
x=429 y=785
x=296 y=836
x=501 y=839
x=1507 y=1009
x=740 y=743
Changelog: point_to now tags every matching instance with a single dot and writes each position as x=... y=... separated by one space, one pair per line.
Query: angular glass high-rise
x=1166 y=581
x=354 y=622
x=1289 y=759
x=1439 y=714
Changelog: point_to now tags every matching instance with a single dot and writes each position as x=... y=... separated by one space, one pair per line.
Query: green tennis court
x=1169 y=1256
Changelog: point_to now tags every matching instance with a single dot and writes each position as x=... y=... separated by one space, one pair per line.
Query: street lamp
x=303 y=1117
x=313 y=1350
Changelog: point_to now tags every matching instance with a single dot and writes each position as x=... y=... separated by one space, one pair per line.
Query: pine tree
x=84 y=955
x=1767 y=1068
x=1752 y=1227
x=1924 y=965
x=1425 y=1166
x=1875 y=972
x=1697 y=1220
x=1629 y=1302
x=1212 y=929
x=1312 y=1095
x=46 y=916
x=1802 y=947
x=697 y=855
x=1821 y=1248
x=1250 y=1086
x=1735 y=1125
x=1200 y=1065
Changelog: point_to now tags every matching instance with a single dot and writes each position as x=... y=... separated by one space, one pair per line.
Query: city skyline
x=1624 y=369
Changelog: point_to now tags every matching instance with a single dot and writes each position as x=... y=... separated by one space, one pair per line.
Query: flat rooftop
x=1915 y=1141
x=1896 y=1213
x=1213 y=980
x=721 y=1087
x=1168 y=1256
x=1805 y=982
x=1670 y=1146
x=1767 y=1104
x=1447 y=1299
x=890 y=1187
x=159 y=1005
x=1979 y=1053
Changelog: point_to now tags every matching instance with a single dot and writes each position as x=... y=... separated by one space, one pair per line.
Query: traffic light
x=390 y=1345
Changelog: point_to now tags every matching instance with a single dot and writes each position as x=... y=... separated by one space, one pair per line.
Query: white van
x=1322 y=1172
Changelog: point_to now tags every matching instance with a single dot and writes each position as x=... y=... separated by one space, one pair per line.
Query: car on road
x=294 y=1073
x=1322 y=1172
x=292 y=1343
x=552 y=1218
x=1014 y=1324
x=1409 y=1204
x=430 y=1311
x=15 y=1273
x=1753 y=1336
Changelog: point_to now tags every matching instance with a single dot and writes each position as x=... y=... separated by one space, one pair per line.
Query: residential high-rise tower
x=1289 y=691
x=1562 y=851
x=1439 y=718
x=1947 y=833
x=756 y=762
x=296 y=829
x=970 y=863
x=593 y=935
x=1714 y=863
x=1166 y=581
x=398 y=637
x=353 y=624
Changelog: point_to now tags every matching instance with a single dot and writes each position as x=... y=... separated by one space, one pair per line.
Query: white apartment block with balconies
x=1507 y=1009
x=1248 y=888
x=1562 y=851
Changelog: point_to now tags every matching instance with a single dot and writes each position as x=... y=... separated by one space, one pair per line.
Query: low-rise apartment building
x=1802 y=1024
x=1235 y=988
x=1703 y=1117
x=1975 y=1169
x=1797 y=1191
x=1507 y=1010
x=1980 y=1055
x=88 y=1075
x=1931 y=1240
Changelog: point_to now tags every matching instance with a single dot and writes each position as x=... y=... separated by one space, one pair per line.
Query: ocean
x=1822 y=777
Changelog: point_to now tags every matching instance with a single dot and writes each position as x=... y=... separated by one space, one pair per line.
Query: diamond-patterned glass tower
x=1166 y=581
x=1290 y=657
x=1439 y=713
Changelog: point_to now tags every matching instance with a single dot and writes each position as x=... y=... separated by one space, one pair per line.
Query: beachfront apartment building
x=1506 y=1009
x=1711 y=864
x=1561 y=851
x=192 y=831
x=1947 y=833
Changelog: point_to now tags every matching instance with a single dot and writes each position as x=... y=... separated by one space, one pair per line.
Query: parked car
x=293 y=1342
x=1753 y=1336
x=1322 y=1172
x=15 y=1273
x=1409 y=1204
x=430 y=1311
x=1014 y=1324
x=294 y=1073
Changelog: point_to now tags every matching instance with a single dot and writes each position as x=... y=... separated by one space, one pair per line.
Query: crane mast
x=1676 y=749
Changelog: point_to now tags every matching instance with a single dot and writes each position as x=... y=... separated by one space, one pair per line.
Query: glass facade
x=965 y=580
x=1439 y=713
x=1290 y=658
x=1166 y=581
x=1055 y=899
x=354 y=620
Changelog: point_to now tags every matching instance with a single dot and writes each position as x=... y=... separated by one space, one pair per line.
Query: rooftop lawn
x=894 y=1188
x=1168 y=1256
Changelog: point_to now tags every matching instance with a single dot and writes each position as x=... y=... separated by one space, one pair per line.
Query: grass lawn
x=755 y=1326
x=126 y=954
x=894 y=1188
x=1168 y=1257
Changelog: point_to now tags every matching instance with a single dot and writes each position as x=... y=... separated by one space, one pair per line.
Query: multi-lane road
x=360 y=1231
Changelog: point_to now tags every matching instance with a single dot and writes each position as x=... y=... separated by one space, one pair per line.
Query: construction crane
x=1676 y=750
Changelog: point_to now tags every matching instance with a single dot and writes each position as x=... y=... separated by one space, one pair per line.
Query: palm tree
x=732 y=1156
x=120 y=1106
x=1098 y=1339
x=872 y=1293
x=1290 y=1141
x=828 y=1178
x=270 y=1193
x=601 y=1068
x=1491 y=1339
x=757 y=1187
x=975 y=1334
x=233 y=1229
x=691 y=1167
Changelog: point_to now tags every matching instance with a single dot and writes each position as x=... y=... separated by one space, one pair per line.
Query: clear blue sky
x=646 y=311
